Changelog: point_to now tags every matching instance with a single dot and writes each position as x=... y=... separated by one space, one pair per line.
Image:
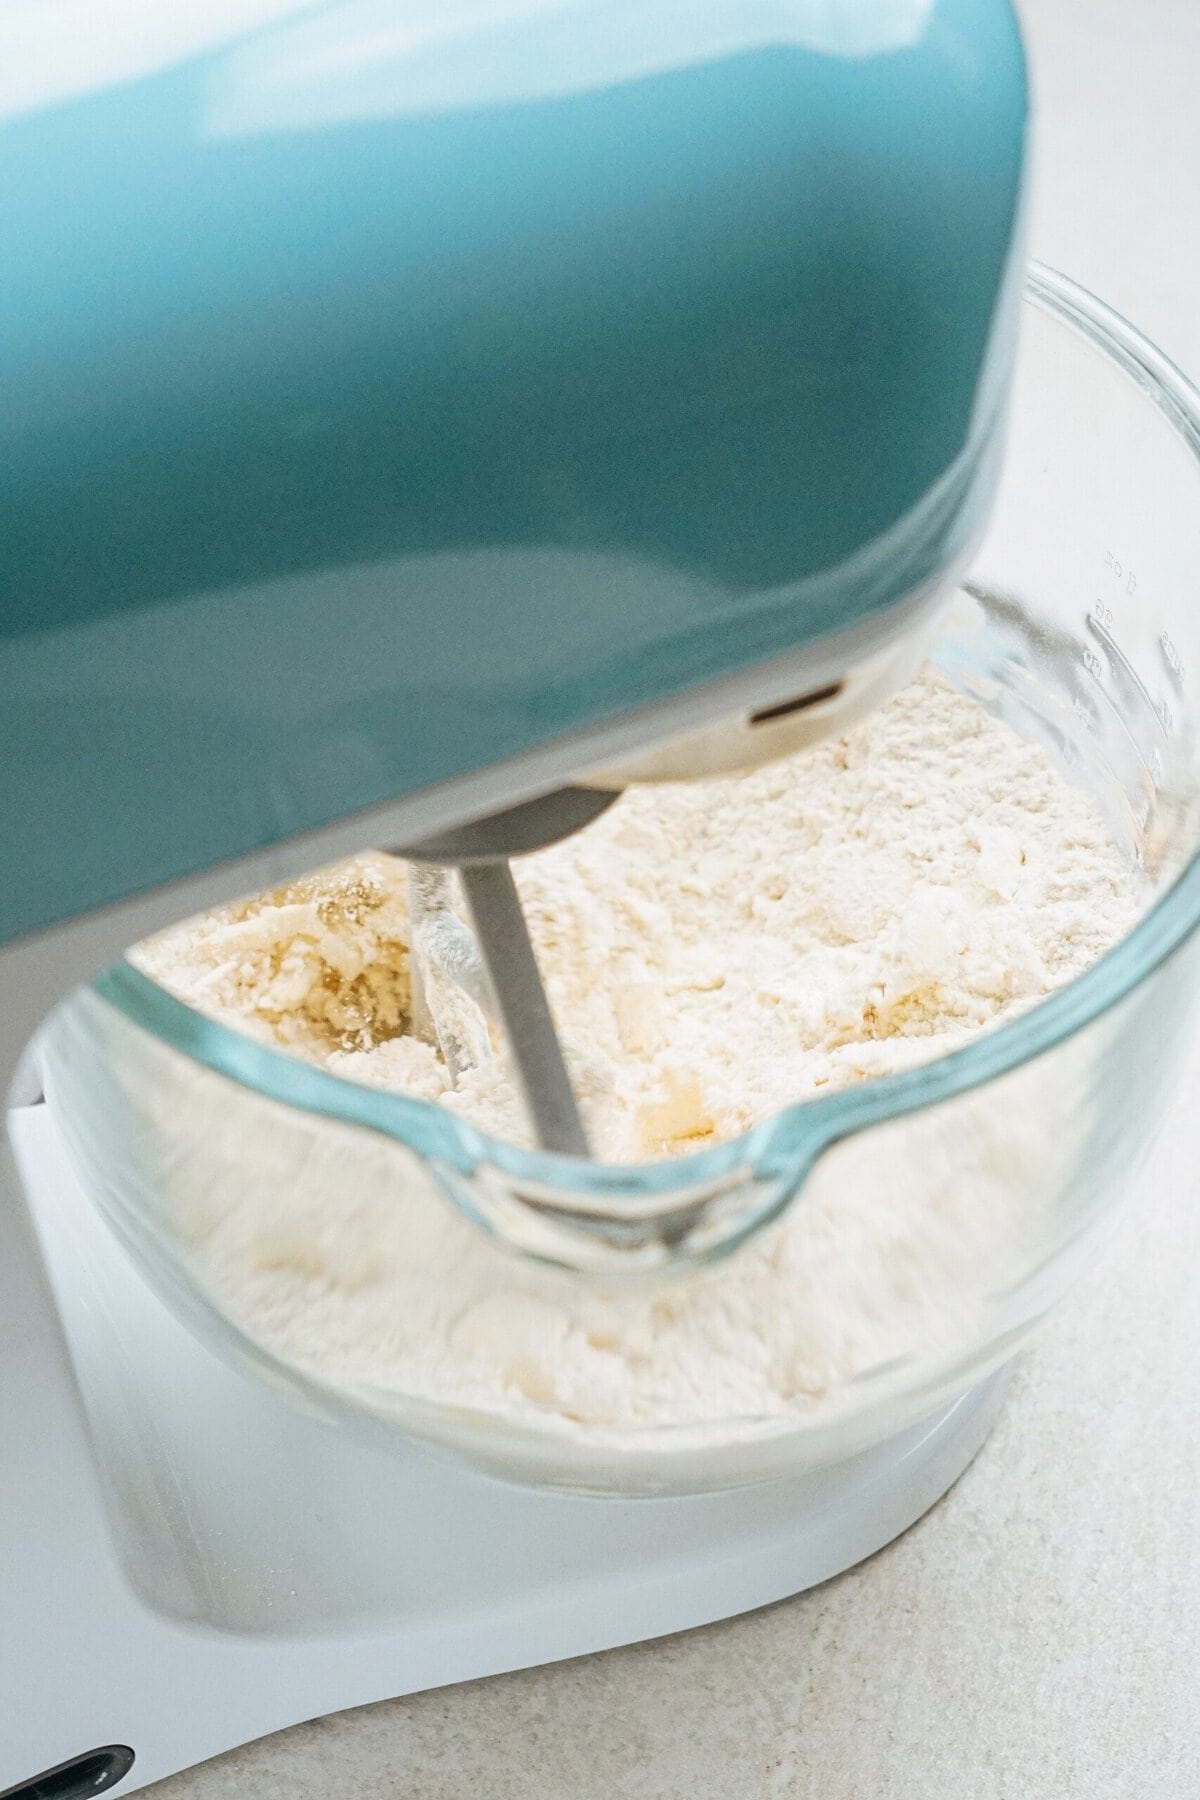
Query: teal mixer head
x=400 y=408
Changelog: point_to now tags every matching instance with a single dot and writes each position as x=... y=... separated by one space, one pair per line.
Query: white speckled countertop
x=1037 y=1636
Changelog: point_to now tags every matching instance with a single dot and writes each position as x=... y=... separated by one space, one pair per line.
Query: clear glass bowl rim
x=793 y=1138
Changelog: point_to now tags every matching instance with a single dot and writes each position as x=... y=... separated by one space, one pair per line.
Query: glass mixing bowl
x=1078 y=624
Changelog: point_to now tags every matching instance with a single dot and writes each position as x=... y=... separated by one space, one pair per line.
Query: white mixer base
x=341 y=1573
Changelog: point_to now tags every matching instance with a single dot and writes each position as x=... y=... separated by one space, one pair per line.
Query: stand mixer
x=416 y=428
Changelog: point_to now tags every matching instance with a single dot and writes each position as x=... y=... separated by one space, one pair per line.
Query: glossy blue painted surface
x=376 y=405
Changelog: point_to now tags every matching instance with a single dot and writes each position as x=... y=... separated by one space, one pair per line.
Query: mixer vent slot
x=785 y=708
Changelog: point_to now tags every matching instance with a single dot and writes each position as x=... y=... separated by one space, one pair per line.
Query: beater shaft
x=495 y=909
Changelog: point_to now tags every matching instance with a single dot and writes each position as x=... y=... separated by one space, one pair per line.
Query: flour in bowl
x=713 y=952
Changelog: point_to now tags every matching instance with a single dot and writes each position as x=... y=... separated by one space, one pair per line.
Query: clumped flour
x=713 y=952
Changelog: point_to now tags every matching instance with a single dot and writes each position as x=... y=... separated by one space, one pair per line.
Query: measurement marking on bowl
x=1172 y=658
x=1150 y=760
x=1122 y=571
x=1124 y=674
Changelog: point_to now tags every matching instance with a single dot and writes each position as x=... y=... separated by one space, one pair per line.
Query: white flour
x=713 y=953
